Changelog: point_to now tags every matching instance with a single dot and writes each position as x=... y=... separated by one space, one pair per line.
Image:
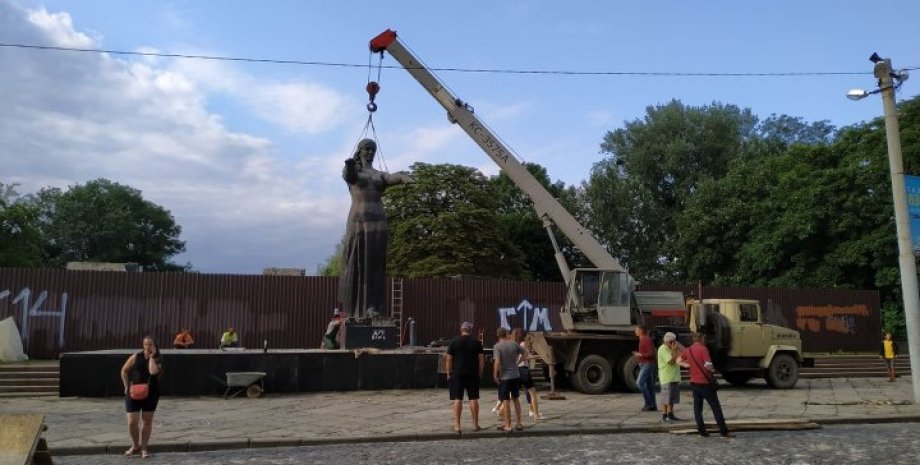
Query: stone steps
x=29 y=379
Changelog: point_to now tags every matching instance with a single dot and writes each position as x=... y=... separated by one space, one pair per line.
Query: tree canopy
x=446 y=223
x=97 y=221
x=21 y=240
x=712 y=194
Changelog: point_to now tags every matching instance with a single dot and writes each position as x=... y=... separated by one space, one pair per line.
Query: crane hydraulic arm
x=548 y=208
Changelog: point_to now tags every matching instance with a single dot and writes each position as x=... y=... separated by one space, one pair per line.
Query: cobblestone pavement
x=92 y=426
x=844 y=444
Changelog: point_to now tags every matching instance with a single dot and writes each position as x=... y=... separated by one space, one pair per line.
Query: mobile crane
x=602 y=306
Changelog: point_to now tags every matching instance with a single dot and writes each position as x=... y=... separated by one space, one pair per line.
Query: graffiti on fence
x=31 y=309
x=538 y=316
x=831 y=317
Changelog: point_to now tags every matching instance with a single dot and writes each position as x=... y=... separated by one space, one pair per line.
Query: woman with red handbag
x=139 y=376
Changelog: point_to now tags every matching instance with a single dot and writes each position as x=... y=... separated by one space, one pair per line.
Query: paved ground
x=92 y=426
x=842 y=444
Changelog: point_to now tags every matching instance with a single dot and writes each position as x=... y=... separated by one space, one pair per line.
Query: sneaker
x=530 y=413
x=673 y=418
x=539 y=416
x=649 y=408
x=666 y=420
x=704 y=434
x=727 y=436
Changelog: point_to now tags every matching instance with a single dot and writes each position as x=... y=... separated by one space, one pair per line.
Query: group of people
x=184 y=339
x=670 y=357
x=465 y=364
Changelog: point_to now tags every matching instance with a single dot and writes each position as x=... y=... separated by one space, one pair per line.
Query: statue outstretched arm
x=398 y=178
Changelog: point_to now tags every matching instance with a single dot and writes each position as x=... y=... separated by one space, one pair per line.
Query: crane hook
x=372 y=89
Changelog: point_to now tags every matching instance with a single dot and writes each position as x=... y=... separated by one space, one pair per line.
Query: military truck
x=743 y=346
x=602 y=305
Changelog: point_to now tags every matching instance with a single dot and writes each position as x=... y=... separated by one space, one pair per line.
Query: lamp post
x=906 y=260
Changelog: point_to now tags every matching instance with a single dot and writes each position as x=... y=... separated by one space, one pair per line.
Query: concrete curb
x=487 y=433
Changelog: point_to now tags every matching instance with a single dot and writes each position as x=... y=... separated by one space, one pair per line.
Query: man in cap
x=669 y=376
x=464 y=364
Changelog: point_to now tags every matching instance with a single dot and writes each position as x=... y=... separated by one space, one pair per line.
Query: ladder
x=396 y=306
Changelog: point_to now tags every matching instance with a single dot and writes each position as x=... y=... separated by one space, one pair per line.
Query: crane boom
x=547 y=207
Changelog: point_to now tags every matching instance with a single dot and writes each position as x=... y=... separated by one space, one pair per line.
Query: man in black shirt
x=464 y=365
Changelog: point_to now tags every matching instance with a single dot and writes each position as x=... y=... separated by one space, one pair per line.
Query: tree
x=812 y=212
x=21 y=240
x=333 y=264
x=445 y=224
x=109 y=222
x=655 y=166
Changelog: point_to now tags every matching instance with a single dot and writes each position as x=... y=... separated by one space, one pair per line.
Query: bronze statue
x=364 y=255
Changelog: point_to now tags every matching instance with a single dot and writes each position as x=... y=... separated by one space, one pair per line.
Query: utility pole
x=906 y=257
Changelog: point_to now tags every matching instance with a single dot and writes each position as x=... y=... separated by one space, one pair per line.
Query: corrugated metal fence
x=63 y=311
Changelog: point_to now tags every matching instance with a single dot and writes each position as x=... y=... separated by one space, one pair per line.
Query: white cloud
x=58 y=28
x=72 y=117
x=298 y=107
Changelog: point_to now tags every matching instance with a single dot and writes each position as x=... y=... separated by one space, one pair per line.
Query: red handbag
x=139 y=391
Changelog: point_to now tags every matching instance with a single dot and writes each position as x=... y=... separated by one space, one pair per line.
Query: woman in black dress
x=140 y=370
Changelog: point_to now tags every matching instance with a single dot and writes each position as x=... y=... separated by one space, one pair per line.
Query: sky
x=248 y=156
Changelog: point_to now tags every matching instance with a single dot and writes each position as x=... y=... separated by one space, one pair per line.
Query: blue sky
x=248 y=156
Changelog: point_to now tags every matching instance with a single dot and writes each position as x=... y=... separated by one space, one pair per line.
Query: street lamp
x=888 y=83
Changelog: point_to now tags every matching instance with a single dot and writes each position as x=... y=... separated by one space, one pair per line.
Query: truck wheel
x=783 y=372
x=737 y=378
x=593 y=375
x=628 y=373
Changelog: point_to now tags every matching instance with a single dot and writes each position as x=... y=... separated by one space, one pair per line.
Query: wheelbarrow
x=238 y=382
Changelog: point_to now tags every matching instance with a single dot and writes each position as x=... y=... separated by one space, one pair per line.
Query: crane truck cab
x=743 y=346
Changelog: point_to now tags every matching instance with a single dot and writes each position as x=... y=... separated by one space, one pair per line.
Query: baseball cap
x=669 y=336
x=466 y=325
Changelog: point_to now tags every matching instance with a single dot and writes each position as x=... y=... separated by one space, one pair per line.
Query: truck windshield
x=589 y=287
x=613 y=292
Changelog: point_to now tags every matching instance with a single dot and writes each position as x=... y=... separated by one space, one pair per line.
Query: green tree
x=446 y=223
x=109 y=222
x=655 y=165
x=333 y=264
x=812 y=212
x=21 y=240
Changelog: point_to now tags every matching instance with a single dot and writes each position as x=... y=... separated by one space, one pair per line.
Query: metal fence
x=64 y=311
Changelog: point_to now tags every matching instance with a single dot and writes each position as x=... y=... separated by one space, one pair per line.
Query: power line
x=459 y=70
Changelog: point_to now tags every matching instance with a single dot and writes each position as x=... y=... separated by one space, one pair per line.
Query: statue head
x=365 y=152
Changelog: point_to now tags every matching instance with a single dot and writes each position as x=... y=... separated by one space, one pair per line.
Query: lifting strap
x=373 y=88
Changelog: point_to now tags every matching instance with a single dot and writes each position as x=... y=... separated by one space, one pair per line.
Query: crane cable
x=372 y=87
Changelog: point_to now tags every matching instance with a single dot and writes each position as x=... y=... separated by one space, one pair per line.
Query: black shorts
x=526 y=380
x=147 y=405
x=459 y=383
x=509 y=389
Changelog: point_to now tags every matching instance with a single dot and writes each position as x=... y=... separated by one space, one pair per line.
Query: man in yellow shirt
x=229 y=339
x=669 y=376
x=888 y=351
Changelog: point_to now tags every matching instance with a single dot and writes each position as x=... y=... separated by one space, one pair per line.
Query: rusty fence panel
x=62 y=311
